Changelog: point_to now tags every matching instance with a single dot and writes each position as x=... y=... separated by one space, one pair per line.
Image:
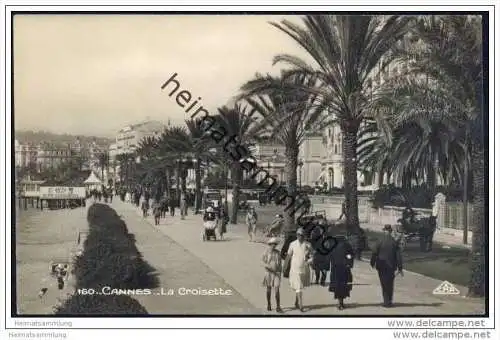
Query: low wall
x=450 y=216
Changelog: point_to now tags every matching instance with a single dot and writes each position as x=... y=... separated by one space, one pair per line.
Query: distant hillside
x=44 y=136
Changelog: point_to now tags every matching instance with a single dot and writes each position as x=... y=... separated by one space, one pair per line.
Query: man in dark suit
x=387 y=259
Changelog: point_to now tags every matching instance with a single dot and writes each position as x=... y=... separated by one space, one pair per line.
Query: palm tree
x=424 y=142
x=151 y=165
x=103 y=159
x=176 y=148
x=288 y=117
x=201 y=145
x=451 y=56
x=123 y=163
x=347 y=50
x=238 y=121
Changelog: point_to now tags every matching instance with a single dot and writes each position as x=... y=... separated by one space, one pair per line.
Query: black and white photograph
x=300 y=164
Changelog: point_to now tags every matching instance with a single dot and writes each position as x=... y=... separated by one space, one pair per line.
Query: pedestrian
x=61 y=272
x=157 y=212
x=341 y=262
x=298 y=260
x=321 y=259
x=357 y=239
x=183 y=205
x=343 y=214
x=386 y=259
x=224 y=220
x=145 y=208
x=251 y=221
x=172 y=206
x=164 y=206
x=272 y=277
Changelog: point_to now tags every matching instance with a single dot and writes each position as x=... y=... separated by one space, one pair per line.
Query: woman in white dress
x=299 y=259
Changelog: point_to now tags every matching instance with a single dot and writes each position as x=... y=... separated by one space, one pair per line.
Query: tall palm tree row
x=437 y=118
x=175 y=151
x=346 y=51
x=452 y=57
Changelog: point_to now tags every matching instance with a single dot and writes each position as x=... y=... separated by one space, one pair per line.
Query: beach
x=43 y=237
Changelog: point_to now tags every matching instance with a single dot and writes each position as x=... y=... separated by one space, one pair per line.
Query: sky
x=94 y=74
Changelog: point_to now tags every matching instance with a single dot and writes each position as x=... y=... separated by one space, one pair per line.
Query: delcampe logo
x=446 y=288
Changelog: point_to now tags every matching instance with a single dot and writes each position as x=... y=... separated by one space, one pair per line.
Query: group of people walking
x=302 y=258
x=157 y=205
x=104 y=193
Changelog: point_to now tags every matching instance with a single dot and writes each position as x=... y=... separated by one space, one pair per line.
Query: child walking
x=251 y=221
x=272 y=279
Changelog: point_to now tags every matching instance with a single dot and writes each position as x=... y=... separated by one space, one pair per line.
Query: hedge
x=110 y=258
x=416 y=197
x=108 y=305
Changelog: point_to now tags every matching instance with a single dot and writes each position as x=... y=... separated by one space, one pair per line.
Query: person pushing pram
x=211 y=225
x=276 y=227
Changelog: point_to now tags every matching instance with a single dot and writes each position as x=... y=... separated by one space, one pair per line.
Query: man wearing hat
x=299 y=259
x=272 y=277
x=387 y=259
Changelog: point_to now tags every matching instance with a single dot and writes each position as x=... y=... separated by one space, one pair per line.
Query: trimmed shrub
x=108 y=305
x=110 y=258
x=416 y=197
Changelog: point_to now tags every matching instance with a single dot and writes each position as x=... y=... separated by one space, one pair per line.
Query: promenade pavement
x=177 y=269
x=238 y=262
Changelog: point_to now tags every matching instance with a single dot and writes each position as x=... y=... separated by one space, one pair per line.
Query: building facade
x=129 y=137
x=50 y=156
x=25 y=154
x=270 y=157
x=311 y=156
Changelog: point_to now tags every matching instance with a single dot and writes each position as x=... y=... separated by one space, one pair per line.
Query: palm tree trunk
x=198 y=196
x=380 y=179
x=406 y=180
x=178 y=181
x=168 y=181
x=236 y=173
x=351 y=178
x=477 y=254
x=291 y=164
x=465 y=183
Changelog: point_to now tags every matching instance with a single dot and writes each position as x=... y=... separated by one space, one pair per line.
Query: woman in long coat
x=341 y=262
x=321 y=259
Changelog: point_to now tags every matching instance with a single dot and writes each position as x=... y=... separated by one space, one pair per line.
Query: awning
x=93 y=179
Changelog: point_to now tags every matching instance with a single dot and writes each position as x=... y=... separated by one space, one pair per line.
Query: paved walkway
x=237 y=261
x=178 y=270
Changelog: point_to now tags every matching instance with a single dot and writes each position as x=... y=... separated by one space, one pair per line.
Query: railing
x=450 y=216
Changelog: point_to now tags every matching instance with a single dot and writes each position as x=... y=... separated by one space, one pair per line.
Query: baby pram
x=274 y=229
x=210 y=228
